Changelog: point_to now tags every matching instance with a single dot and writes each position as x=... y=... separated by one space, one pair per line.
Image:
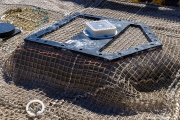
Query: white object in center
x=100 y=29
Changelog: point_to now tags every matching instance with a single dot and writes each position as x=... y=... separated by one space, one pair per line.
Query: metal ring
x=39 y=112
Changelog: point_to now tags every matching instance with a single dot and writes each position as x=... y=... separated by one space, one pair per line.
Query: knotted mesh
x=76 y=86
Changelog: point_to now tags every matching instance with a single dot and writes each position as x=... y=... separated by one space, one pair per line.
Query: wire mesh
x=75 y=86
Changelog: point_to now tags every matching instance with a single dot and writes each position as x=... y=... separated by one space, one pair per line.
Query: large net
x=76 y=86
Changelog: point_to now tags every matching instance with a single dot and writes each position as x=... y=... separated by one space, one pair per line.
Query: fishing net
x=27 y=19
x=76 y=86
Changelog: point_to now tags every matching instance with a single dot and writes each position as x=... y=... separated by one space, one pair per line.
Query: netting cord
x=69 y=82
x=173 y=92
x=136 y=12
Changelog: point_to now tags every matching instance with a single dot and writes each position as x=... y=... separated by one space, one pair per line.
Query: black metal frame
x=93 y=47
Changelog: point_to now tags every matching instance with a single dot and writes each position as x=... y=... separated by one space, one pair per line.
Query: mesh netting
x=8 y=46
x=26 y=18
x=132 y=37
x=76 y=86
x=129 y=86
x=67 y=31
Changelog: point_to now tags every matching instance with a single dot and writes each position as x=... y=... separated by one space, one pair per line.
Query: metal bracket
x=83 y=44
